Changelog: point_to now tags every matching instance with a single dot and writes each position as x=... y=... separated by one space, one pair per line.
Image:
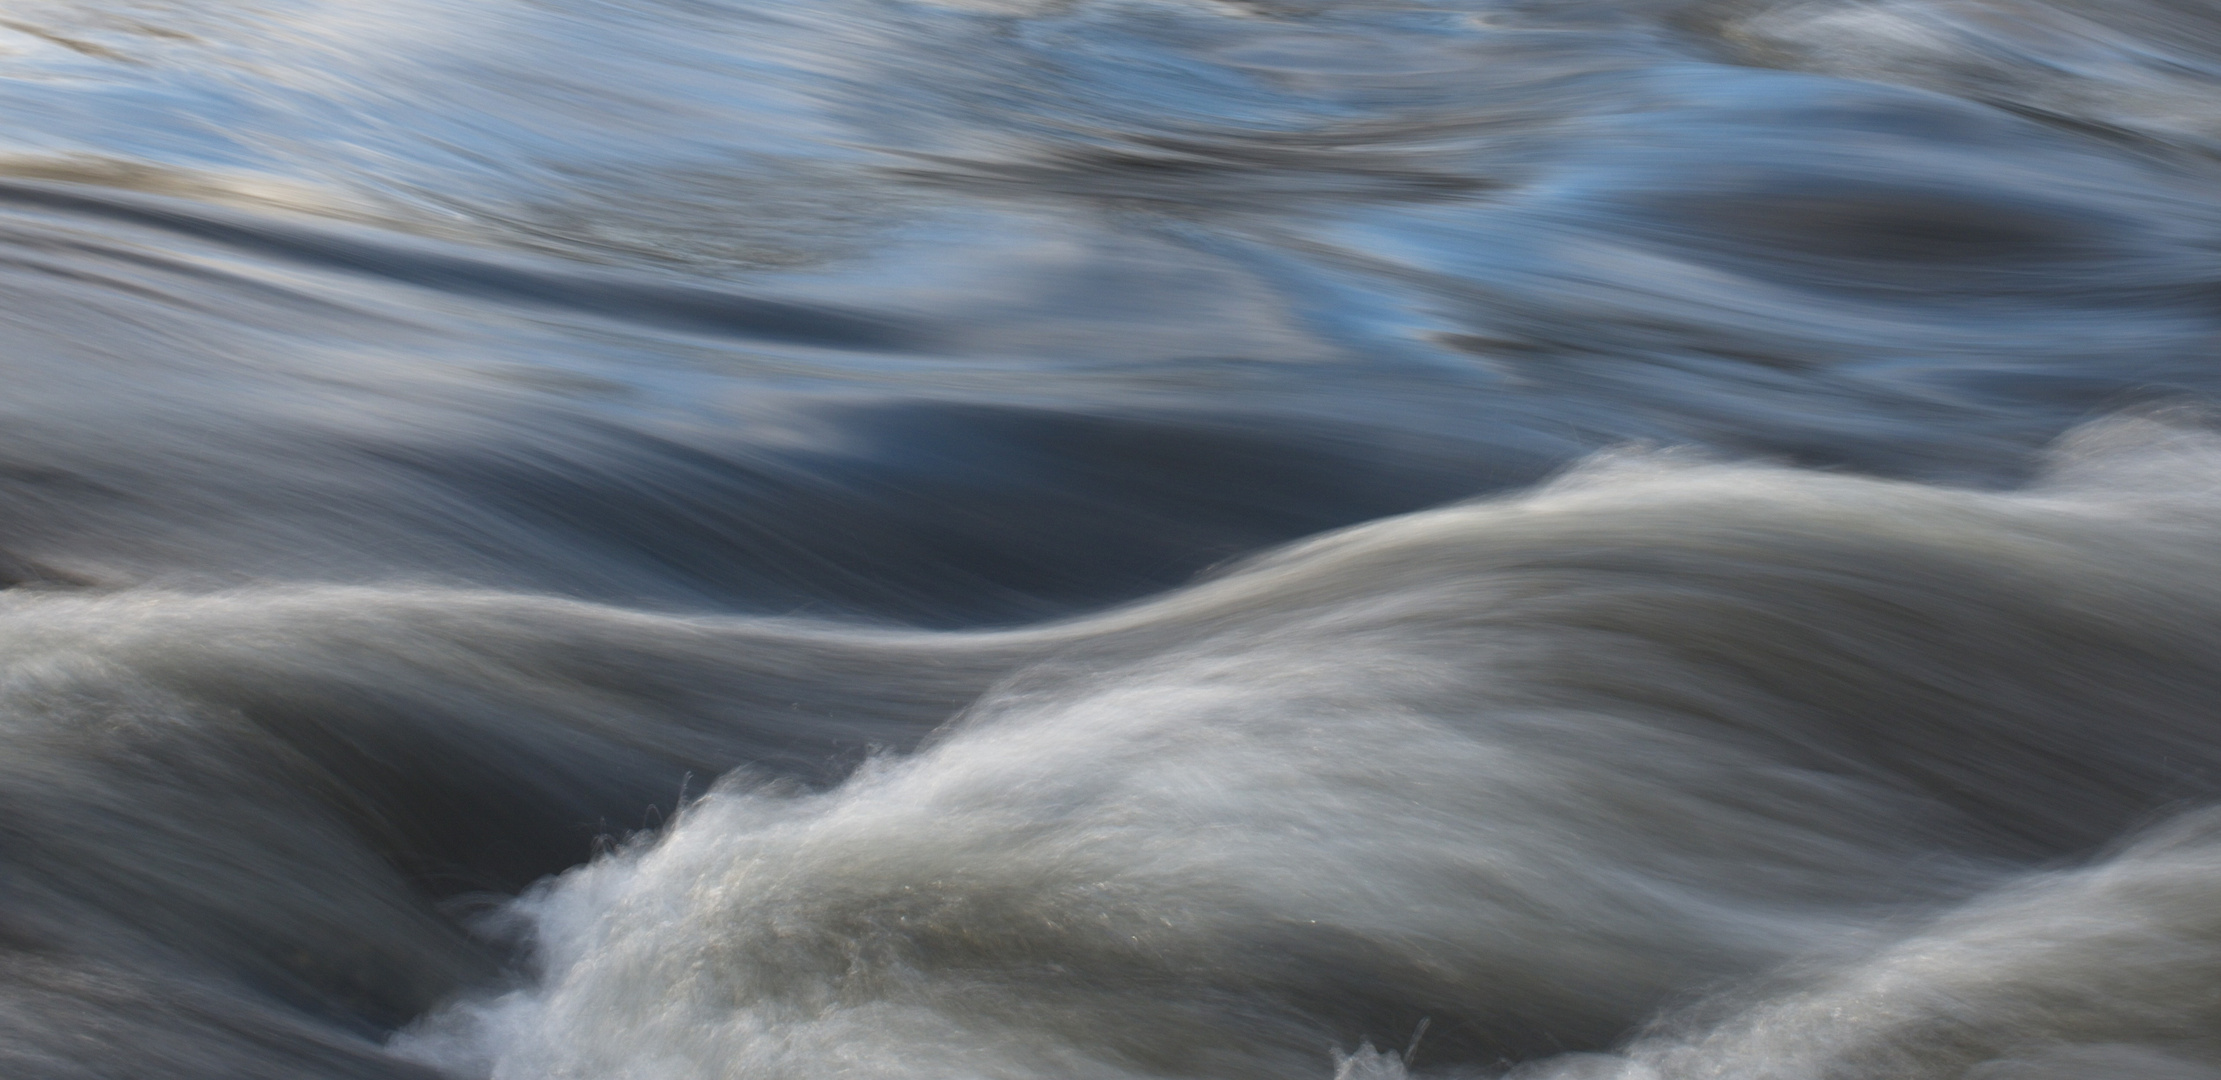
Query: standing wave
x=1680 y=767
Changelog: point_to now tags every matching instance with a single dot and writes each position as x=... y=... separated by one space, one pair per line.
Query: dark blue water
x=675 y=539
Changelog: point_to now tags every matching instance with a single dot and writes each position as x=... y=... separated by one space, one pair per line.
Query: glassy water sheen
x=1110 y=539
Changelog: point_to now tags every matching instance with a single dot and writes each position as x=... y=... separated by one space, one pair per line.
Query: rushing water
x=1104 y=539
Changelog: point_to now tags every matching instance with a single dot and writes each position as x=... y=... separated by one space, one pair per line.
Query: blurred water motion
x=1361 y=539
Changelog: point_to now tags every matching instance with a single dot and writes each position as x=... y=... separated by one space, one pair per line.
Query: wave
x=1527 y=771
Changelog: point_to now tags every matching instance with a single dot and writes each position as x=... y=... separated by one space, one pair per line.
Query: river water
x=1110 y=539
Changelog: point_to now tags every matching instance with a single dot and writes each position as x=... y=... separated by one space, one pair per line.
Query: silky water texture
x=1110 y=539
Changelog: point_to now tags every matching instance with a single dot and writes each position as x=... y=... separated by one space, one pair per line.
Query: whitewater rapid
x=1530 y=771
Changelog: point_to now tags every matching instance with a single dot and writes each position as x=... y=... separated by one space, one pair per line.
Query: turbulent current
x=1110 y=539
